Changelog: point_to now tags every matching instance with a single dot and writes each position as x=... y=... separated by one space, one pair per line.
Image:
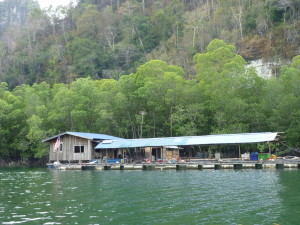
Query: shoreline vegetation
x=4 y=163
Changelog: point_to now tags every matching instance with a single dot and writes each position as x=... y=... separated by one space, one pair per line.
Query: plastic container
x=217 y=155
x=263 y=156
x=254 y=156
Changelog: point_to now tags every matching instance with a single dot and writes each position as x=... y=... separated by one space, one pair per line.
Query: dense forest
x=96 y=66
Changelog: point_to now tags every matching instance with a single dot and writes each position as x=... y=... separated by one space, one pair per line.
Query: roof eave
x=136 y=143
x=62 y=134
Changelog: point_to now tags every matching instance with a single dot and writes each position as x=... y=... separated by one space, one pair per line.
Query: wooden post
x=57 y=156
x=239 y=151
x=143 y=113
x=89 y=151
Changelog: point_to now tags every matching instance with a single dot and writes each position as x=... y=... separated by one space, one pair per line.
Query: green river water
x=45 y=196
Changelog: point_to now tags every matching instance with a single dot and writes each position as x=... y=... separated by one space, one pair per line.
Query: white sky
x=46 y=3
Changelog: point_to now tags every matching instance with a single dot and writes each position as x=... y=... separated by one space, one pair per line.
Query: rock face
x=267 y=70
x=263 y=69
x=15 y=12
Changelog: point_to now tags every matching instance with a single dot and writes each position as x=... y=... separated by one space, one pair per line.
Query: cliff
x=15 y=12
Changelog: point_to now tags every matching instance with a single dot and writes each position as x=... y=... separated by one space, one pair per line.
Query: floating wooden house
x=76 y=146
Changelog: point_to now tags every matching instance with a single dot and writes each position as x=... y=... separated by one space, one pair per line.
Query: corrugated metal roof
x=242 y=138
x=91 y=136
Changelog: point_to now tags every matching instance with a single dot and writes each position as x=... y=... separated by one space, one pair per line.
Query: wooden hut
x=75 y=146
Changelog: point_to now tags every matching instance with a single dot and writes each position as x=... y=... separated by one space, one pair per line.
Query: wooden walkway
x=196 y=165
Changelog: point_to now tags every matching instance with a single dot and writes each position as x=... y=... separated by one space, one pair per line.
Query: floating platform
x=198 y=165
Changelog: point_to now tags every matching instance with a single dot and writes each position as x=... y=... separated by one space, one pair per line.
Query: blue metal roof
x=218 y=139
x=91 y=136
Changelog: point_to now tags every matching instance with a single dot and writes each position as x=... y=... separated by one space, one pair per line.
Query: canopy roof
x=90 y=136
x=219 y=139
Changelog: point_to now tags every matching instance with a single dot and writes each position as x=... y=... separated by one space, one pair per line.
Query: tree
x=293 y=130
x=215 y=63
x=287 y=101
x=13 y=128
x=35 y=135
x=189 y=120
x=160 y=86
x=85 y=109
x=227 y=85
x=196 y=21
x=63 y=101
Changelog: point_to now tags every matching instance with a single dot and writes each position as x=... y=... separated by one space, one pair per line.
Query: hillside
x=95 y=66
x=108 y=39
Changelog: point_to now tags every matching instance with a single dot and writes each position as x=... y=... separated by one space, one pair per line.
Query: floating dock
x=194 y=165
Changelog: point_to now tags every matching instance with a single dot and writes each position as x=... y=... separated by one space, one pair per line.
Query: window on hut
x=78 y=148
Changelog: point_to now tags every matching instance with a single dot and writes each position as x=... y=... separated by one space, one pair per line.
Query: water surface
x=42 y=196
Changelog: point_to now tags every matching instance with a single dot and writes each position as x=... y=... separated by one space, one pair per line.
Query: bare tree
x=110 y=36
x=237 y=13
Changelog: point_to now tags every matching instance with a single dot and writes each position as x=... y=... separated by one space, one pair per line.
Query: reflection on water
x=41 y=196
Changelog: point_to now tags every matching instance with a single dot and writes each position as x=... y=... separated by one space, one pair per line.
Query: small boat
x=54 y=165
x=50 y=165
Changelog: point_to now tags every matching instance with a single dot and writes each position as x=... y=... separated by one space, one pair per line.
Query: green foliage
x=35 y=135
x=220 y=59
x=224 y=97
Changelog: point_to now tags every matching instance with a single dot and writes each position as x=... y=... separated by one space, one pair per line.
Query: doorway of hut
x=156 y=154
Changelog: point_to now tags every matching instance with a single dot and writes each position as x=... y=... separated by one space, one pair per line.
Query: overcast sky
x=55 y=3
